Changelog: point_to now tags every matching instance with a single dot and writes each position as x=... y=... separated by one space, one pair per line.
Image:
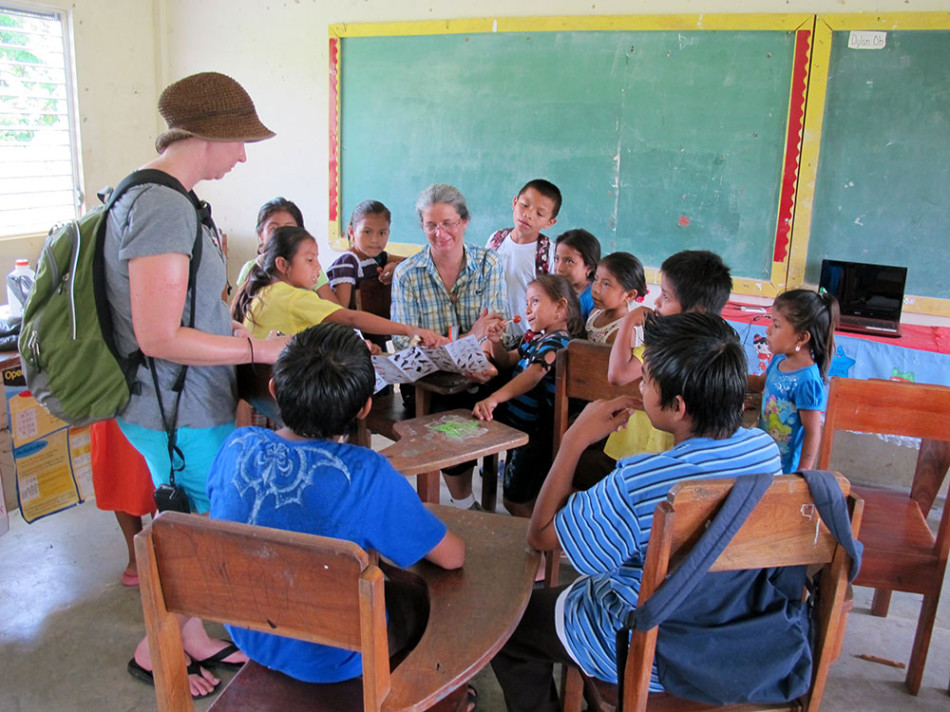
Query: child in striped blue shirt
x=693 y=386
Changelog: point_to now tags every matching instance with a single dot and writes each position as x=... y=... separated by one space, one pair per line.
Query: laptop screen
x=865 y=290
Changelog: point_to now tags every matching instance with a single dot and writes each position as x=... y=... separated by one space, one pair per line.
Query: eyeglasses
x=446 y=226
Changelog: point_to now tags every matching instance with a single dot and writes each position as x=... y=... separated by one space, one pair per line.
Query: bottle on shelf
x=19 y=283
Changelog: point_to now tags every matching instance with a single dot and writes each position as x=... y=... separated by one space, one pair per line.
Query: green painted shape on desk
x=456 y=428
x=637 y=128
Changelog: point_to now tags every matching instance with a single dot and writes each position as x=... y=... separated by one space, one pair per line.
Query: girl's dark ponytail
x=283 y=243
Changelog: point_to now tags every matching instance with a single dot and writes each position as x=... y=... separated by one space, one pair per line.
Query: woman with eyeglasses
x=454 y=289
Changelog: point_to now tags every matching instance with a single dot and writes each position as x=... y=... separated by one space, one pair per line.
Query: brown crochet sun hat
x=209 y=106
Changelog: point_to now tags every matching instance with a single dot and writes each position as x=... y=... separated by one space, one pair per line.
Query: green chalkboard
x=659 y=140
x=882 y=192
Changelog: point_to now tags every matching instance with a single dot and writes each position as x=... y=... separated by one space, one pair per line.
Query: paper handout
x=415 y=362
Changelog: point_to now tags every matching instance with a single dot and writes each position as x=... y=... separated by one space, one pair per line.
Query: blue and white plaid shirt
x=419 y=297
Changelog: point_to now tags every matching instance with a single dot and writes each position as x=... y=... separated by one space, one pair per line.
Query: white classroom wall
x=117 y=71
x=127 y=51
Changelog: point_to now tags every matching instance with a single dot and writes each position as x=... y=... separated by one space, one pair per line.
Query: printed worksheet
x=415 y=362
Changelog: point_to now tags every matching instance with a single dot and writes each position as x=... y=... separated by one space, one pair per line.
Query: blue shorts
x=200 y=446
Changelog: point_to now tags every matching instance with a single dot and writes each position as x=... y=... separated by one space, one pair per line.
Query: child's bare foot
x=207 y=650
x=471 y=698
x=201 y=682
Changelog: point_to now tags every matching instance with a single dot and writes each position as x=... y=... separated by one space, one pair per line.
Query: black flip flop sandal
x=146 y=676
x=218 y=659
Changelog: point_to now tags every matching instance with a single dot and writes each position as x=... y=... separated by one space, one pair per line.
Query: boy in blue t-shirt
x=302 y=478
x=694 y=384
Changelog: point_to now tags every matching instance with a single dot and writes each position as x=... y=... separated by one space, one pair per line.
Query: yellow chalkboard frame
x=825 y=26
x=798 y=90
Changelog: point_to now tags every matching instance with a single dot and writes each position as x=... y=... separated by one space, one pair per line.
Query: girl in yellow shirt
x=277 y=296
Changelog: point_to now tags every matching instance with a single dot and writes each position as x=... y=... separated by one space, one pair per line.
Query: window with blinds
x=39 y=172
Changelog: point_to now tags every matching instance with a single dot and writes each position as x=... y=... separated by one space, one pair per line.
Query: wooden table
x=433 y=442
x=429 y=450
x=473 y=610
x=443 y=383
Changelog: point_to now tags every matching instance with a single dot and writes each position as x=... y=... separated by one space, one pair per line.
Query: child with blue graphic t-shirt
x=801 y=338
x=302 y=478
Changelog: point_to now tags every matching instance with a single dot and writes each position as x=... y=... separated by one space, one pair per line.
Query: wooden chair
x=901 y=553
x=374 y=297
x=299 y=585
x=781 y=531
x=252 y=386
x=581 y=375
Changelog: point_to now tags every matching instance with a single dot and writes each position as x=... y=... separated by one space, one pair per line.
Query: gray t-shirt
x=154 y=220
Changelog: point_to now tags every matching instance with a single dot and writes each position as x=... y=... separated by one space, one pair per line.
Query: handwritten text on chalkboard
x=863 y=39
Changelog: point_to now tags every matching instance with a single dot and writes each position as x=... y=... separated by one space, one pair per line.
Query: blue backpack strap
x=832 y=507
x=741 y=500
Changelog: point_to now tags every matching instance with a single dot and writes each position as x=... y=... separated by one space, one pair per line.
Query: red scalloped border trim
x=793 y=143
x=334 y=129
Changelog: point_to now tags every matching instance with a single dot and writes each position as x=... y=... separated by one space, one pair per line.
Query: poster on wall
x=53 y=461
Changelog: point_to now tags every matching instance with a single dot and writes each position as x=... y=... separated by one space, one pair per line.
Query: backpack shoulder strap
x=151 y=175
x=833 y=509
x=136 y=178
x=498 y=237
x=741 y=500
x=203 y=213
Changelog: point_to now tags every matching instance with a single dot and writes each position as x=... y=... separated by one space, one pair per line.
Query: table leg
x=427 y=485
x=423 y=402
x=489 y=482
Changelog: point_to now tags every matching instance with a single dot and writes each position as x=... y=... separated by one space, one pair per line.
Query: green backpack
x=67 y=343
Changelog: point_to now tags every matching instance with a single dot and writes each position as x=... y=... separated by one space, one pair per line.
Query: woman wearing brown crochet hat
x=151 y=240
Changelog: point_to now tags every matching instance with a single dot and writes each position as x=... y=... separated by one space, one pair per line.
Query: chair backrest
x=783 y=530
x=581 y=373
x=917 y=410
x=253 y=386
x=374 y=297
x=298 y=585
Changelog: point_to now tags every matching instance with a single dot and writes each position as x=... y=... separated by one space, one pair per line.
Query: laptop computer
x=870 y=296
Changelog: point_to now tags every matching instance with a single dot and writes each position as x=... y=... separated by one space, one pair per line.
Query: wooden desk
x=433 y=442
x=447 y=383
x=443 y=383
x=473 y=610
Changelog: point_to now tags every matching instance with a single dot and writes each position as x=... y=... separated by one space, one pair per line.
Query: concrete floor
x=68 y=628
